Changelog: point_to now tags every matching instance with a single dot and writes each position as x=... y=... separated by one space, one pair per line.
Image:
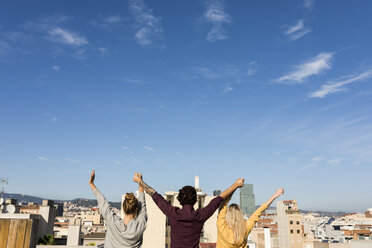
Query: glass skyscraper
x=247 y=199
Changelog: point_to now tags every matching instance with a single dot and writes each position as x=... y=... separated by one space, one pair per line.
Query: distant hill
x=321 y=213
x=79 y=201
x=92 y=203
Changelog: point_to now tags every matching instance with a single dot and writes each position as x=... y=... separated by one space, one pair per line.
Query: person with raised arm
x=232 y=228
x=127 y=232
x=187 y=223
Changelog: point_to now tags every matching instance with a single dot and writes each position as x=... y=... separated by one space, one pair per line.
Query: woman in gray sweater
x=127 y=232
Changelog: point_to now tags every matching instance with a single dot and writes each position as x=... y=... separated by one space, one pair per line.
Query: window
x=298 y=231
x=291 y=222
x=297 y=222
x=291 y=231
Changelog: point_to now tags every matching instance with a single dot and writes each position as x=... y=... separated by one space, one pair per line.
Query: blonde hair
x=235 y=220
x=130 y=204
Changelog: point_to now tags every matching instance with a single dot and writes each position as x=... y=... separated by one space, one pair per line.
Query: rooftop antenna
x=4 y=181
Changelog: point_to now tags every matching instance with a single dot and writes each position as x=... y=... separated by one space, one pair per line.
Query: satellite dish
x=1 y=201
x=10 y=209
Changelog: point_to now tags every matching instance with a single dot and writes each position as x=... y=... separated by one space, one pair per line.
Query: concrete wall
x=361 y=244
x=154 y=235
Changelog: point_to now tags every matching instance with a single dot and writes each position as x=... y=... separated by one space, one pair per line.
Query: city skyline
x=276 y=92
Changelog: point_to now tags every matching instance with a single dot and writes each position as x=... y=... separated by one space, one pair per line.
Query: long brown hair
x=235 y=220
x=130 y=204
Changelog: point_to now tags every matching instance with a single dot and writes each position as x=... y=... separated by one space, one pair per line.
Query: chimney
x=196 y=182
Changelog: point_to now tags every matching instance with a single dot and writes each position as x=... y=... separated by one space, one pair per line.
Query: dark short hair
x=187 y=196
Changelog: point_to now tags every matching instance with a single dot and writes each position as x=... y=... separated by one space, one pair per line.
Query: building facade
x=247 y=200
x=290 y=227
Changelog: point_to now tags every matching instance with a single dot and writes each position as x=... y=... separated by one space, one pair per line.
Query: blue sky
x=278 y=92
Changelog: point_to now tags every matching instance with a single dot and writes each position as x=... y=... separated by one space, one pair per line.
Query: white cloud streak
x=338 y=86
x=334 y=161
x=149 y=148
x=314 y=66
x=56 y=67
x=227 y=89
x=149 y=26
x=112 y=19
x=46 y=159
x=297 y=31
x=72 y=160
x=66 y=37
x=216 y=15
x=308 y=4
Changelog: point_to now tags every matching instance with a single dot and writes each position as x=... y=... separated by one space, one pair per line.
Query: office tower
x=247 y=199
x=216 y=192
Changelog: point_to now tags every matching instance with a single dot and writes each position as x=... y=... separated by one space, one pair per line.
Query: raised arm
x=163 y=205
x=142 y=214
x=256 y=215
x=141 y=184
x=103 y=205
x=228 y=192
x=209 y=210
x=278 y=193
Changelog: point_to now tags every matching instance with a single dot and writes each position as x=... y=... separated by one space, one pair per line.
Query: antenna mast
x=4 y=181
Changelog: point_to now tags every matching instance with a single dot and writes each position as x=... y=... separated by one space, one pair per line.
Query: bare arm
x=228 y=192
x=141 y=184
x=278 y=193
x=91 y=180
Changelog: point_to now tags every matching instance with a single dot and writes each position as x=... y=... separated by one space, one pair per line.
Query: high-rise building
x=216 y=192
x=247 y=199
x=290 y=227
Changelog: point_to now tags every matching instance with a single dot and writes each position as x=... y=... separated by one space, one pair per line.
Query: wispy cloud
x=338 y=86
x=334 y=161
x=46 y=159
x=102 y=51
x=227 y=89
x=53 y=119
x=71 y=160
x=149 y=148
x=308 y=4
x=216 y=15
x=317 y=158
x=112 y=19
x=297 y=31
x=107 y=21
x=56 y=67
x=132 y=80
x=313 y=66
x=148 y=25
x=206 y=72
x=308 y=166
x=222 y=71
x=66 y=37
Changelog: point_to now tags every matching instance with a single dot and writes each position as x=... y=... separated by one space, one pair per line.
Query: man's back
x=186 y=223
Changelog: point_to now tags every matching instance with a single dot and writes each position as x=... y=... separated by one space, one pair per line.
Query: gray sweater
x=118 y=234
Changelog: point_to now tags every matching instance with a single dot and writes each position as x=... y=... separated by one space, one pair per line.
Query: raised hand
x=91 y=180
x=92 y=177
x=239 y=182
x=278 y=193
x=137 y=177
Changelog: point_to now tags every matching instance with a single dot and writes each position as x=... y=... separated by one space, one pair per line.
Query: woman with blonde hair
x=232 y=228
x=125 y=232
